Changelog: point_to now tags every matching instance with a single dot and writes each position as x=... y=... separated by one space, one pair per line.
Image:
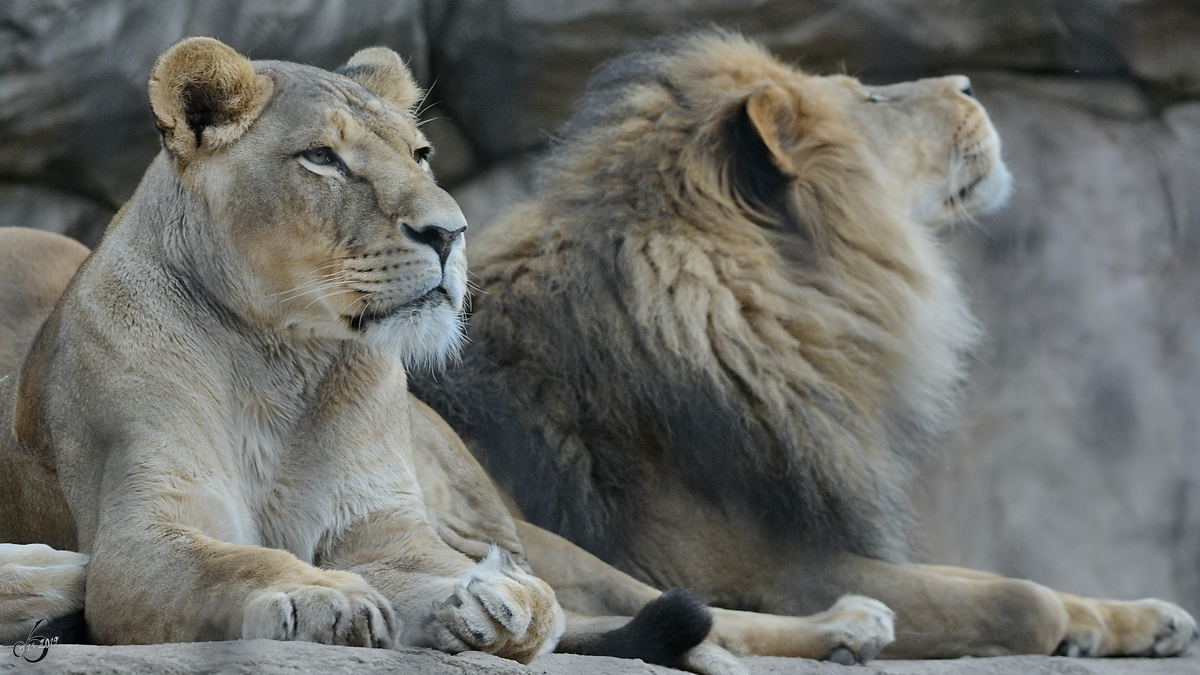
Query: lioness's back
x=37 y=268
x=38 y=265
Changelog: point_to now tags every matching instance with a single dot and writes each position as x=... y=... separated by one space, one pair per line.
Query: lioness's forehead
x=309 y=95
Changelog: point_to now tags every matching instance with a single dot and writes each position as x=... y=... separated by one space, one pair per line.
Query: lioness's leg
x=152 y=582
x=1147 y=627
x=855 y=628
x=446 y=600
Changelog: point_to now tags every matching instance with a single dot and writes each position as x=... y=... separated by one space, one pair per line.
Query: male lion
x=707 y=347
x=216 y=408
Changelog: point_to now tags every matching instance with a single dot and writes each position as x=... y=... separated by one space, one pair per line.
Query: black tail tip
x=662 y=631
x=69 y=629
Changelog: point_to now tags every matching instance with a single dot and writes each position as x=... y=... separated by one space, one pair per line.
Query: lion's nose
x=960 y=83
x=438 y=236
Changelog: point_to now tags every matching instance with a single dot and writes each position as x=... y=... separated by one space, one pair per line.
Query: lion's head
x=785 y=148
x=324 y=219
x=729 y=268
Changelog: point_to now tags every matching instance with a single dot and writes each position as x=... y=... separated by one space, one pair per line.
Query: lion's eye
x=322 y=161
x=875 y=98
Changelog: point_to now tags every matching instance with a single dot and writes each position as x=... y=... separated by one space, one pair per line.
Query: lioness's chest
x=282 y=484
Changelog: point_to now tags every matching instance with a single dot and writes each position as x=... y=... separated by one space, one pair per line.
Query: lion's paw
x=859 y=627
x=500 y=609
x=1148 y=627
x=347 y=612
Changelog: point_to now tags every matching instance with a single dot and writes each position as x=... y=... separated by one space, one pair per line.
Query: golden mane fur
x=720 y=277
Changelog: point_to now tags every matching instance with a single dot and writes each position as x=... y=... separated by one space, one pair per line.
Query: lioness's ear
x=205 y=95
x=383 y=72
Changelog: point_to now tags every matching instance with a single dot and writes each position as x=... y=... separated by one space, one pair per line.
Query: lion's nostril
x=438 y=238
x=968 y=90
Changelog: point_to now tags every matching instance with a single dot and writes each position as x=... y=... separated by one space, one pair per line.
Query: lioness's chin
x=424 y=337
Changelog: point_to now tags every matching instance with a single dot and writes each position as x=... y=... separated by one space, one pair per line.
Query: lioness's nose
x=439 y=236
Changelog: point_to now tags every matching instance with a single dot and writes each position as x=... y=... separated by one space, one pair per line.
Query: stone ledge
x=268 y=657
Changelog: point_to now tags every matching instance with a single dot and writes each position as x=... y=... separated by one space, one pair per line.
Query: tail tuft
x=662 y=631
x=69 y=629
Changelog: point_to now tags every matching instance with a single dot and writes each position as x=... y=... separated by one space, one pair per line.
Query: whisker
x=420 y=104
x=323 y=279
x=317 y=289
x=330 y=295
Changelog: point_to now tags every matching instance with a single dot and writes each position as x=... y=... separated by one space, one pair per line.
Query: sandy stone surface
x=266 y=657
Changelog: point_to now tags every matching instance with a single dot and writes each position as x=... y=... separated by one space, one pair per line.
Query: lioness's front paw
x=859 y=627
x=499 y=609
x=346 y=612
x=1135 y=628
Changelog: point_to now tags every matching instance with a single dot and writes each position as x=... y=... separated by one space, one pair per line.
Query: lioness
x=720 y=328
x=216 y=410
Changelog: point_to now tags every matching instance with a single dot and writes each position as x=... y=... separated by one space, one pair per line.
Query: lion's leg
x=943 y=615
x=37 y=582
x=855 y=628
x=1147 y=627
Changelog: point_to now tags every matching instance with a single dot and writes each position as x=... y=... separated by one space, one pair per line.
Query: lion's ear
x=205 y=95
x=759 y=169
x=771 y=111
x=383 y=72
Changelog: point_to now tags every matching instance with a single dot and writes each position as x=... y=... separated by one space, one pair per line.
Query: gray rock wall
x=1077 y=463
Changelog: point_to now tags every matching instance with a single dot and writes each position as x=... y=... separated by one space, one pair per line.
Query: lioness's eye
x=320 y=156
x=422 y=154
x=323 y=161
x=875 y=98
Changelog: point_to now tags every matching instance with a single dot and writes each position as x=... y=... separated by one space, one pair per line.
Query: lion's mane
x=670 y=301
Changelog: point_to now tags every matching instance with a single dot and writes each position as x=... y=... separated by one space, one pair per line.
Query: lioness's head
x=310 y=205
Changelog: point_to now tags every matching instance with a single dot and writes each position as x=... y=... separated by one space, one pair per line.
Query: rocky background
x=1077 y=463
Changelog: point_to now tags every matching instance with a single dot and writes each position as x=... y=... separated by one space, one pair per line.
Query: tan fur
x=37 y=268
x=716 y=335
x=216 y=411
